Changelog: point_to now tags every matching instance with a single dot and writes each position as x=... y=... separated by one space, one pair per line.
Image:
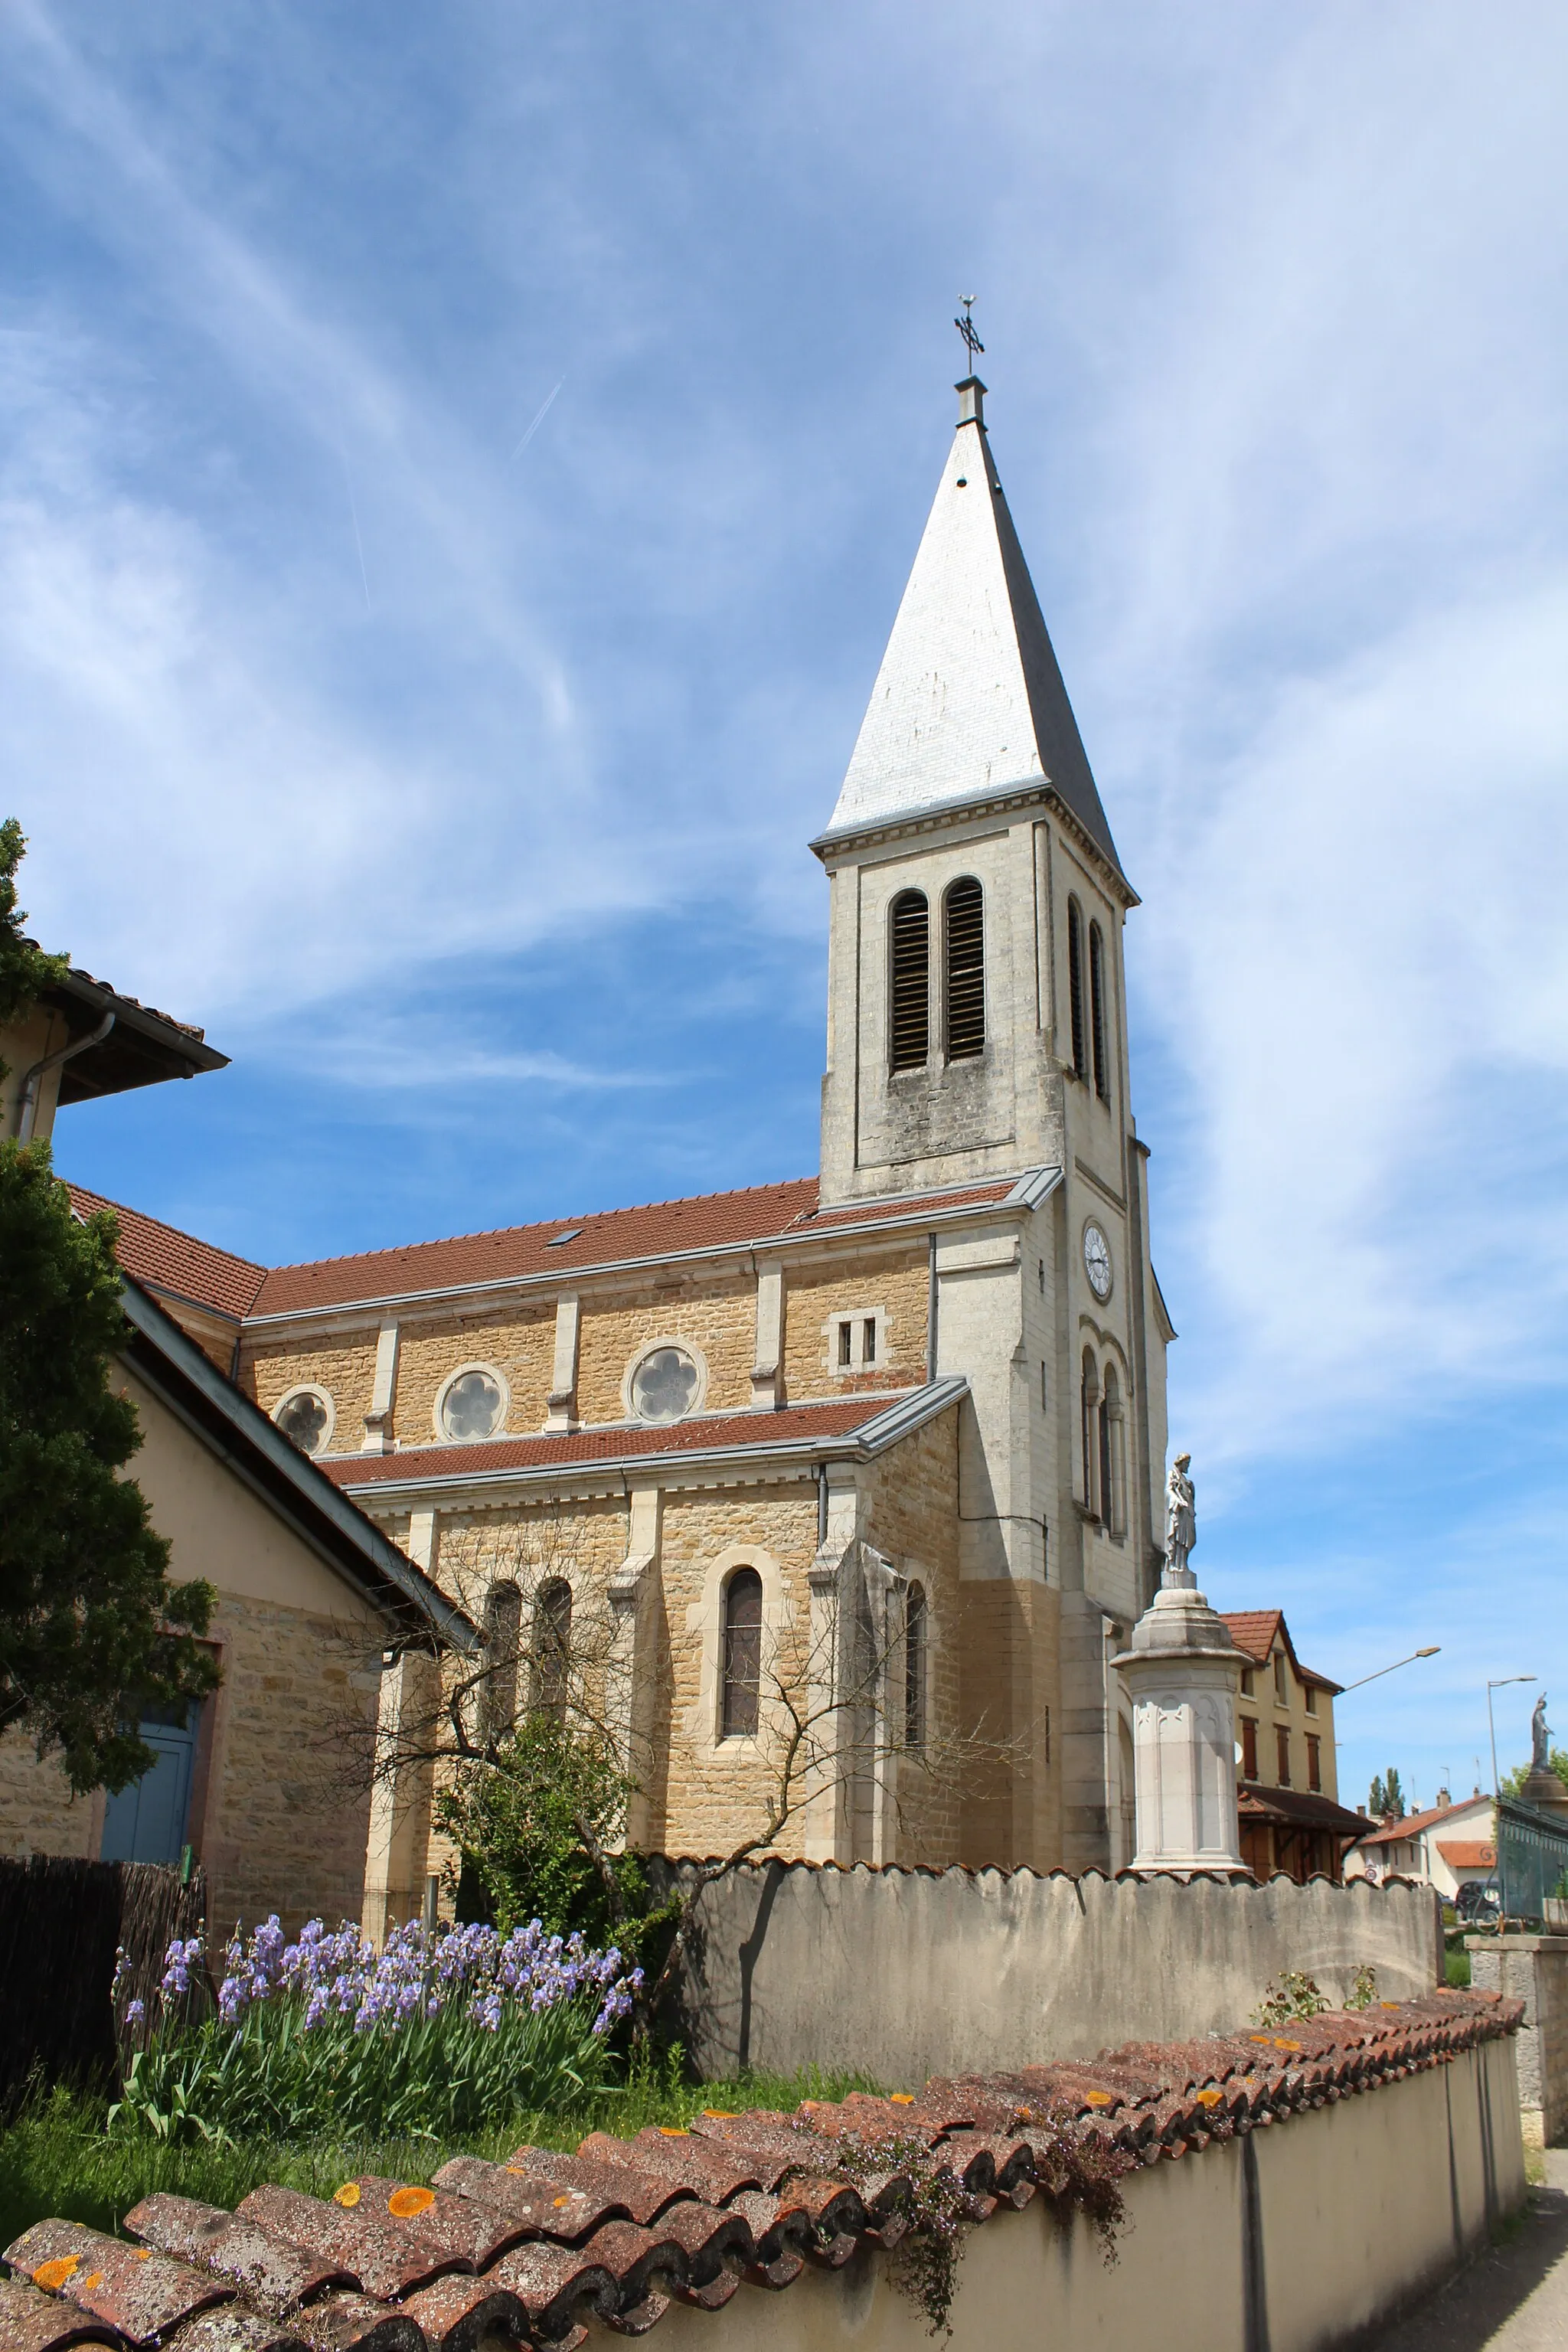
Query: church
x=838 y=1495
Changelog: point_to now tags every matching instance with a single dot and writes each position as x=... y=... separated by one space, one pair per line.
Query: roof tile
x=707 y=2223
x=165 y=1259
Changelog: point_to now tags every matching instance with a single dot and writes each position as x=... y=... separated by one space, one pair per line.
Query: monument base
x=1182 y=1671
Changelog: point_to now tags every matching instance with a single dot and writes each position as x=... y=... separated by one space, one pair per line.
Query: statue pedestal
x=1182 y=1672
x=1546 y=1792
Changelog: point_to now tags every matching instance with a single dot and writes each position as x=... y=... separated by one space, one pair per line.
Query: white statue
x=1540 y=1737
x=1180 y=1522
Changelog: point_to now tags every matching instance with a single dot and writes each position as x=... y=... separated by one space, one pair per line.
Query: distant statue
x=1540 y=1737
x=1181 y=1519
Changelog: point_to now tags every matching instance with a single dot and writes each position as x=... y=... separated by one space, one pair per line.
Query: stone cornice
x=1005 y=800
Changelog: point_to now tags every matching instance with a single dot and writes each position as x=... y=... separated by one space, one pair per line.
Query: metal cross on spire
x=966 y=329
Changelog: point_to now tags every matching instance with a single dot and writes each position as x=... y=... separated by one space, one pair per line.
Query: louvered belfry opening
x=1075 y=988
x=1097 y=1010
x=965 y=907
x=911 y=981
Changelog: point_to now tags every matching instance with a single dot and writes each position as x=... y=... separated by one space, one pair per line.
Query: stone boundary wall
x=1533 y=1969
x=901 y=1974
x=1318 y=2232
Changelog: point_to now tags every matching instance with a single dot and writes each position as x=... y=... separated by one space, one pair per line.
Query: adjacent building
x=1288 y=1784
x=1449 y=1846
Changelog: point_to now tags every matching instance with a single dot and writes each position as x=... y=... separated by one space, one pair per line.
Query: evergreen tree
x=91 y=1632
x=24 y=969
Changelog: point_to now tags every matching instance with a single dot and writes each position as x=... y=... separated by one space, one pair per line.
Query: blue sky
x=457 y=469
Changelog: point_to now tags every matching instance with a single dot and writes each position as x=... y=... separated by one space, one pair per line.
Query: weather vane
x=966 y=329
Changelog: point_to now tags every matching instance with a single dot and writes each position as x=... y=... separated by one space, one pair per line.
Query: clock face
x=1096 y=1260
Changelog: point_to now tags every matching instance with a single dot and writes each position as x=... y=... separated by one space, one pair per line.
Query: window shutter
x=965 y=907
x=910 y=1027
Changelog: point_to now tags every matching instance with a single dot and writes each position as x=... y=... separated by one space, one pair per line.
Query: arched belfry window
x=1088 y=1415
x=1109 y=1434
x=551 y=1646
x=965 y=911
x=915 y=1667
x=1075 y=989
x=910 y=1029
x=742 y=1654
x=504 y=1632
x=1096 y=1012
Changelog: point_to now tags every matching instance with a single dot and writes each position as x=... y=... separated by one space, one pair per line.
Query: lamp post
x=1501 y=1684
x=1430 y=1652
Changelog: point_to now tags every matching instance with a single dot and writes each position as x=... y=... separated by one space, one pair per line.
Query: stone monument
x=1182 y=1671
x=1542 y=1787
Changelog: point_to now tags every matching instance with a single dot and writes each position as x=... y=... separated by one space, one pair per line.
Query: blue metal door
x=147 y=1822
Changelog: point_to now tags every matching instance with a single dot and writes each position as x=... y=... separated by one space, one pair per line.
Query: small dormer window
x=1281 y=1679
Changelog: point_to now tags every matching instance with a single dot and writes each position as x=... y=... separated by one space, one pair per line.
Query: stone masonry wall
x=897 y=1282
x=912 y=1521
x=520 y=1344
x=719 y=1318
x=708 y=1794
x=343 y=1364
x=37 y=1812
x=287 y=1795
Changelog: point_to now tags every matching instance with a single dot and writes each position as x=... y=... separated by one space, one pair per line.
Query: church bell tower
x=977 y=1037
x=967 y=802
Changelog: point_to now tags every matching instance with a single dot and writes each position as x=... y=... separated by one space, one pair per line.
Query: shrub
x=437 y=2033
x=1294 y=1995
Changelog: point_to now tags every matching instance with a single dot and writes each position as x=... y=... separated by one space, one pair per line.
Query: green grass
x=55 y=2159
x=1457 y=1965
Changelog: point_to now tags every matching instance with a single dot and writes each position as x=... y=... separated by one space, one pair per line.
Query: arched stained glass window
x=551 y=1646
x=915 y=1667
x=742 y=1654
x=503 y=1633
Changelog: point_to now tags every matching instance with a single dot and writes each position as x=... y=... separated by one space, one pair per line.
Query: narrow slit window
x=742 y=1653
x=551 y=1646
x=1096 y=1012
x=911 y=1045
x=1107 y=1490
x=846 y=1342
x=869 y=1334
x=915 y=1667
x=965 y=909
x=1075 y=989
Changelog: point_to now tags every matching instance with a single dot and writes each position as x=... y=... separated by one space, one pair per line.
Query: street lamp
x=1430 y=1652
x=1501 y=1684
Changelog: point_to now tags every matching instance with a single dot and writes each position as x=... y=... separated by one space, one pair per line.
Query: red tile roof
x=1468 y=1853
x=1296 y=1809
x=1256 y=1631
x=1412 y=1824
x=658 y=1230
x=526 y=2251
x=839 y=1417
x=168 y=1260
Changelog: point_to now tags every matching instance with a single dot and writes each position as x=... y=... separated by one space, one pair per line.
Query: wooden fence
x=61 y=1925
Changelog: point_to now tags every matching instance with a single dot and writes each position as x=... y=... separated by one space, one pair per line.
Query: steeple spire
x=969 y=699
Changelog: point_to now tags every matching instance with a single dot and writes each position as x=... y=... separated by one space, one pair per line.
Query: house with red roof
x=1448 y=1846
x=1287 y=1781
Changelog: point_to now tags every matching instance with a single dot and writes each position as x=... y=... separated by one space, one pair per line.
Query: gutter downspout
x=32 y=1084
x=931 y=1309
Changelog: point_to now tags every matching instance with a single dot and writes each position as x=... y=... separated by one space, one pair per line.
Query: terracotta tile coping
x=525 y=2252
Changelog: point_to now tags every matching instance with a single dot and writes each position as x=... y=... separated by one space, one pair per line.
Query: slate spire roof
x=969 y=699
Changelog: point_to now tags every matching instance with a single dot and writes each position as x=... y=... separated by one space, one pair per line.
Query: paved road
x=1511 y=2299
